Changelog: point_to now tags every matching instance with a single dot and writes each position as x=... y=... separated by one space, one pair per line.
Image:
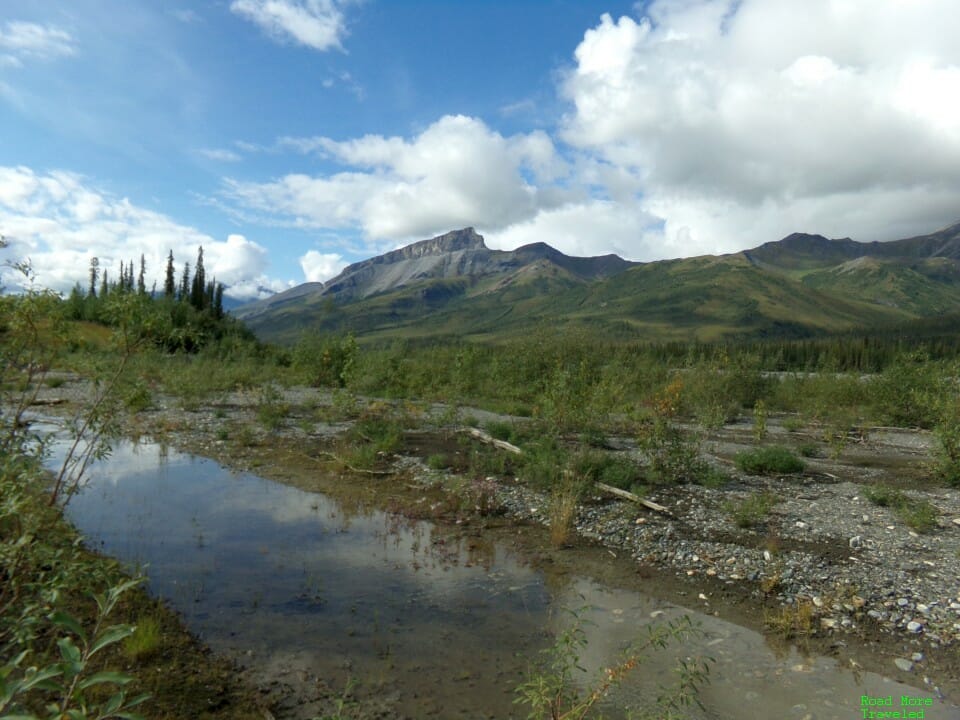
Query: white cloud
x=320 y=267
x=318 y=24
x=20 y=40
x=456 y=173
x=746 y=120
x=592 y=227
x=219 y=154
x=59 y=223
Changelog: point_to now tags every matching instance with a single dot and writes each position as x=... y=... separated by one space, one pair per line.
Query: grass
x=145 y=639
x=752 y=510
x=917 y=514
x=792 y=621
x=438 y=461
x=770 y=460
x=563 y=513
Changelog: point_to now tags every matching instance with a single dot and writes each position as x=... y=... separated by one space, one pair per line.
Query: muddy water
x=438 y=624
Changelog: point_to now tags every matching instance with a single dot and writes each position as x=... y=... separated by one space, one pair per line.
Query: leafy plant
x=771 y=460
x=917 y=514
x=752 y=510
x=759 y=421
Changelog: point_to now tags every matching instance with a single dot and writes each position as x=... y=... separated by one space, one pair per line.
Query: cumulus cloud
x=21 y=40
x=59 y=223
x=748 y=119
x=320 y=267
x=317 y=24
x=457 y=172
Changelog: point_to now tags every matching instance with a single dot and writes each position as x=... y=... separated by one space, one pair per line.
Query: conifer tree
x=94 y=274
x=199 y=286
x=141 y=278
x=170 y=283
x=185 y=284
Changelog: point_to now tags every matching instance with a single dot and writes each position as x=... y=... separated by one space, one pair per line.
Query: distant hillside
x=453 y=285
x=426 y=275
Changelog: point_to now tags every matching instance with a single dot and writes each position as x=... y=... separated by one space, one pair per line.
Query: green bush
x=672 y=453
x=918 y=515
x=612 y=469
x=752 y=510
x=771 y=460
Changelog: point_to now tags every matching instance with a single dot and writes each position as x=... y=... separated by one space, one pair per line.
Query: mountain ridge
x=802 y=285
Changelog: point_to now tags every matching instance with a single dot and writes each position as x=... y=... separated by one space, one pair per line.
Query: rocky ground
x=826 y=564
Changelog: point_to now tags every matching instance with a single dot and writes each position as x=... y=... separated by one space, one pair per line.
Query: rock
x=856 y=542
x=903 y=664
x=800 y=525
x=917 y=657
x=914 y=627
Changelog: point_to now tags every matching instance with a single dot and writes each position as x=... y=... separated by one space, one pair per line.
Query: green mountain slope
x=453 y=285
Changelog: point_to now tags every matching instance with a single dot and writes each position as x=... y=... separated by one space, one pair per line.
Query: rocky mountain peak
x=454 y=241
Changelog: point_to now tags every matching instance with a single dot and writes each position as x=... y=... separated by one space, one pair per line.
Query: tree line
x=186 y=315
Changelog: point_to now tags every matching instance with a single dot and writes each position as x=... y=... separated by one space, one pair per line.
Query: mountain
x=453 y=285
x=425 y=276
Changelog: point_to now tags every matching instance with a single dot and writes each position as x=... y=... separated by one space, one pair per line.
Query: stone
x=914 y=627
x=800 y=525
x=856 y=542
x=917 y=657
x=903 y=664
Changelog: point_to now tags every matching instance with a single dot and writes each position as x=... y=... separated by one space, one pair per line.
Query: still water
x=442 y=625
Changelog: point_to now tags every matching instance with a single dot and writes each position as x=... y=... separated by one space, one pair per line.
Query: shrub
x=772 y=460
x=917 y=514
x=594 y=466
x=673 y=454
x=752 y=510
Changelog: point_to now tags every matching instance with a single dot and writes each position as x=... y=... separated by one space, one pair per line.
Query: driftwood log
x=504 y=445
x=490 y=440
x=633 y=498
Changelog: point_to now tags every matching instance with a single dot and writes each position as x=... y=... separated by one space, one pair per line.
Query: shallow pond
x=297 y=584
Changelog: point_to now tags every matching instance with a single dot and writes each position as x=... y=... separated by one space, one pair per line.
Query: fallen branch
x=47 y=401
x=633 y=498
x=490 y=440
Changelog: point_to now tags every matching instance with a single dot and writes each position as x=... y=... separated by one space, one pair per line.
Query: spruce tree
x=141 y=278
x=94 y=274
x=185 y=284
x=170 y=283
x=199 y=286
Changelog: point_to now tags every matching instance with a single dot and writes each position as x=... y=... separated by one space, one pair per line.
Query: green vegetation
x=919 y=515
x=770 y=460
x=556 y=686
x=752 y=510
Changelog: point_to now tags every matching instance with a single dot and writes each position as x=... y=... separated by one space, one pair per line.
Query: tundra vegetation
x=60 y=636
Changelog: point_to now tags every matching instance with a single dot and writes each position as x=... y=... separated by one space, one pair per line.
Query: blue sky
x=290 y=137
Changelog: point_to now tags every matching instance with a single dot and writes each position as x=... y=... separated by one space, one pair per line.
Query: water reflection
x=445 y=622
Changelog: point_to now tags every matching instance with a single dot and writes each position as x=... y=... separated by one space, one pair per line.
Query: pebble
x=887 y=577
x=903 y=664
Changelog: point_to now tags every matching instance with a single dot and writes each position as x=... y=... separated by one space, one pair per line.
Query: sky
x=289 y=138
